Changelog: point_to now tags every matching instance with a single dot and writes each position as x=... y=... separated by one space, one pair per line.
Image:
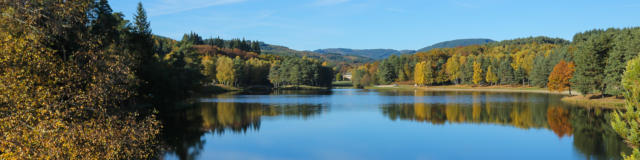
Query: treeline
x=207 y=65
x=301 y=71
x=242 y=44
x=78 y=80
x=592 y=63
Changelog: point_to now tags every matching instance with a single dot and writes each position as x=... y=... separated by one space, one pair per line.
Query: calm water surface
x=369 y=124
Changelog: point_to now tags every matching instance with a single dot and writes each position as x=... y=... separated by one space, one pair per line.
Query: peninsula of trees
x=592 y=63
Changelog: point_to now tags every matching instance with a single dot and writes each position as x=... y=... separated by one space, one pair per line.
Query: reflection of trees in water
x=181 y=133
x=558 y=119
x=183 y=129
x=593 y=137
x=239 y=117
x=513 y=114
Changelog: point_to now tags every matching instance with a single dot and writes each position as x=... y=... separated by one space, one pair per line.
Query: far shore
x=590 y=101
x=469 y=88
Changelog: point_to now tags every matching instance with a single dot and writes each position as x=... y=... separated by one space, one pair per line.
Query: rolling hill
x=457 y=43
x=377 y=54
x=369 y=53
x=332 y=57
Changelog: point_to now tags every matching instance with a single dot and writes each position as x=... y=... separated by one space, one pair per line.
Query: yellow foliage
x=225 y=71
x=490 y=76
x=477 y=73
x=419 y=76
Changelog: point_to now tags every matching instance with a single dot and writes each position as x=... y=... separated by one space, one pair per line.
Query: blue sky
x=366 y=24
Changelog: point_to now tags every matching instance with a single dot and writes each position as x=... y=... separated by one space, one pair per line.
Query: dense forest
x=79 y=81
x=456 y=43
x=592 y=63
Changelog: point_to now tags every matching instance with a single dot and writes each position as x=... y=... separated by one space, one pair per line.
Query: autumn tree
x=491 y=77
x=63 y=89
x=209 y=68
x=225 y=72
x=419 y=76
x=477 y=73
x=453 y=68
x=560 y=76
x=429 y=73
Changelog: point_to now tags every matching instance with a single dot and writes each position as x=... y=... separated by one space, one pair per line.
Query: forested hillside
x=375 y=54
x=331 y=57
x=456 y=43
x=592 y=63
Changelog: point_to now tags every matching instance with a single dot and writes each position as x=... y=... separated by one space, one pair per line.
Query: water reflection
x=239 y=117
x=592 y=136
x=188 y=131
x=184 y=128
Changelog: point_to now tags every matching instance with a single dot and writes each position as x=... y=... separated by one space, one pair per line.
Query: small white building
x=346 y=76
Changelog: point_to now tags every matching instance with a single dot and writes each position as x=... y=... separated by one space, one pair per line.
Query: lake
x=370 y=124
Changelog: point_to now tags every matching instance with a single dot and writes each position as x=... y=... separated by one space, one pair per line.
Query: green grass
x=595 y=101
x=302 y=87
x=342 y=84
x=399 y=87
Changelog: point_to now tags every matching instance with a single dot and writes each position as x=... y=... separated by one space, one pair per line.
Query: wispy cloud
x=328 y=2
x=164 y=7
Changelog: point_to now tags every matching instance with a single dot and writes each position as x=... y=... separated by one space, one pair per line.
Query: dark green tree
x=590 y=57
x=104 y=25
x=626 y=45
x=386 y=72
x=141 y=43
x=539 y=75
x=467 y=71
x=505 y=72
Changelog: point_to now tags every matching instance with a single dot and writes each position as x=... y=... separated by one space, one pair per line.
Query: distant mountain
x=369 y=53
x=378 y=54
x=332 y=57
x=457 y=43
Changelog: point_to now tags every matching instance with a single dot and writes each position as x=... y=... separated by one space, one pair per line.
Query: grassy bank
x=502 y=88
x=342 y=84
x=595 y=101
x=301 y=87
x=217 y=89
x=576 y=98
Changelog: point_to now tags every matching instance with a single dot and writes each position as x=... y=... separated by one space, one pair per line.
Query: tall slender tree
x=477 y=73
x=491 y=77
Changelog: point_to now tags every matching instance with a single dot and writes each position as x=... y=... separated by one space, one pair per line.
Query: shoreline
x=576 y=98
x=475 y=89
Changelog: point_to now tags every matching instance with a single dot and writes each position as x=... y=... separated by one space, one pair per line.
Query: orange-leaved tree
x=560 y=76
